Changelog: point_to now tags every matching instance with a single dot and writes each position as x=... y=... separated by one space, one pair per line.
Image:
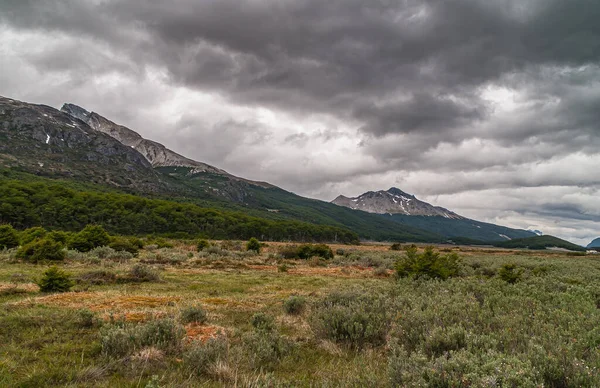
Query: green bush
x=253 y=245
x=122 y=244
x=262 y=321
x=87 y=319
x=55 y=280
x=306 y=251
x=118 y=340
x=92 y=236
x=200 y=357
x=141 y=273
x=40 y=250
x=428 y=264
x=9 y=238
x=266 y=348
x=202 y=245
x=396 y=247
x=59 y=236
x=193 y=314
x=510 y=273
x=294 y=305
x=32 y=234
x=352 y=318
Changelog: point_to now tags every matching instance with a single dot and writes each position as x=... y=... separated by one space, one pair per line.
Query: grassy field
x=175 y=317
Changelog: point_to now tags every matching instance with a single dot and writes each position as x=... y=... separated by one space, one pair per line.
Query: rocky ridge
x=393 y=201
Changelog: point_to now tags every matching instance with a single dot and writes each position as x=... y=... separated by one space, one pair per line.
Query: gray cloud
x=445 y=96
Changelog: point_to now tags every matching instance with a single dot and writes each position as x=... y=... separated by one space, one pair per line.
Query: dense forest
x=56 y=207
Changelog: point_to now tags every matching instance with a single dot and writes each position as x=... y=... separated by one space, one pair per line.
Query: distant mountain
x=540 y=242
x=595 y=243
x=405 y=209
x=393 y=201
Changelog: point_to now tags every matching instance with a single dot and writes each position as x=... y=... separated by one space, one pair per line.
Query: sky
x=490 y=108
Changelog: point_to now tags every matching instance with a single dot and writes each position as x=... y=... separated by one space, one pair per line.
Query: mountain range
x=78 y=145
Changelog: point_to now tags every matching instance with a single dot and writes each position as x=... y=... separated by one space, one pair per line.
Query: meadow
x=176 y=316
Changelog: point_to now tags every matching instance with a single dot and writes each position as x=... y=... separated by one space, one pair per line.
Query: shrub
x=116 y=342
x=262 y=321
x=266 y=348
x=121 y=244
x=282 y=268
x=32 y=234
x=509 y=273
x=119 y=341
x=59 y=236
x=9 y=238
x=193 y=314
x=142 y=273
x=427 y=264
x=41 y=250
x=92 y=236
x=253 y=245
x=55 y=280
x=202 y=245
x=306 y=251
x=294 y=305
x=201 y=357
x=87 y=319
x=396 y=247
x=98 y=277
x=351 y=318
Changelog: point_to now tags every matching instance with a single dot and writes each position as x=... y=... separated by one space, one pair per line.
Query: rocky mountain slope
x=47 y=142
x=405 y=209
x=393 y=201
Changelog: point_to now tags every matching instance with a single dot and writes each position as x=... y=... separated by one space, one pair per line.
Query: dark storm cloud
x=395 y=67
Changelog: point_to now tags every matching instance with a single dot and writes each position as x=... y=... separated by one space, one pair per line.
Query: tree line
x=56 y=207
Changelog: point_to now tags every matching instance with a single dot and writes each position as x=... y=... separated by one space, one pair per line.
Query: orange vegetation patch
x=25 y=287
x=198 y=332
x=98 y=301
x=135 y=316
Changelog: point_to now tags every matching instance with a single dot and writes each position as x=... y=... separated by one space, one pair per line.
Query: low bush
x=294 y=305
x=98 y=277
x=510 y=273
x=306 y=251
x=141 y=273
x=122 y=244
x=262 y=321
x=87 y=319
x=55 y=280
x=253 y=245
x=120 y=340
x=92 y=236
x=32 y=234
x=202 y=245
x=40 y=250
x=396 y=247
x=59 y=236
x=266 y=348
x=352 y=318
x=193 y=314
x=201 y=357
x=9 y=238
x=429 y=264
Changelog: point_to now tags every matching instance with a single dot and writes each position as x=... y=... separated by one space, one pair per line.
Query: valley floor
x=473 y=330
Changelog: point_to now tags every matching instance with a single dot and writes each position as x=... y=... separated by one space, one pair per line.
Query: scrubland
x=176 y=316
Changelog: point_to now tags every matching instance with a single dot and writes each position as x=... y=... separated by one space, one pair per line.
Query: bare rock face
x=393 y=201
x=157 y=154
x=43 y=140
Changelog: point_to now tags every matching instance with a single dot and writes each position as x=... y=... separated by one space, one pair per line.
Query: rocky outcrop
x=393 y=201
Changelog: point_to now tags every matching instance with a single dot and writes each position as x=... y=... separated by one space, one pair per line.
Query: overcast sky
x=490 y=108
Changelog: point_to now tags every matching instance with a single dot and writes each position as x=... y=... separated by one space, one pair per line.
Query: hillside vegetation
x=540 y=242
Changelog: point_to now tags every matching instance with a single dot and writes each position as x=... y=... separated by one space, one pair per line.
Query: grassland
x=473 y=330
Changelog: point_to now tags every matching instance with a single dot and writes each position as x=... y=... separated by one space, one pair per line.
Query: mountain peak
x=393 y=201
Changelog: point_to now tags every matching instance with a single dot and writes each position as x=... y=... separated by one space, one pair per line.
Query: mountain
x=595 y=243
x=393 y=201
x=405 y=209
x=540 y=242
x=42 y=140
x=39 y=142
